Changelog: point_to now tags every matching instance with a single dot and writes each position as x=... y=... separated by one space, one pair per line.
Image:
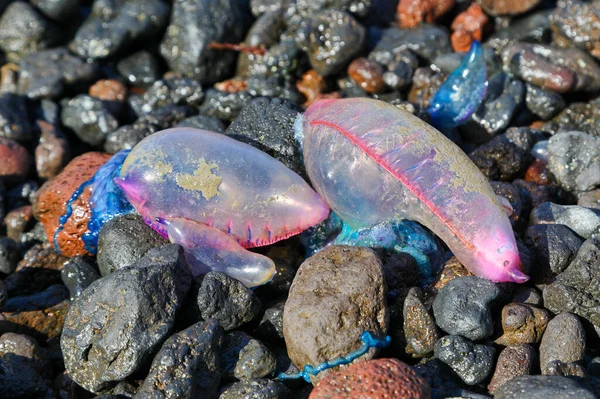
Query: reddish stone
x=232 y=85
x=368 y=74
x=537 y=124
x=108 y=90
x=469 y=25
x=381 y=378
x=537 y=172
x=52 y=152
x=41 y=324
x=312 y=86
x=18 y=221
x=412 y=12
x=14 y=161
x=52 y=198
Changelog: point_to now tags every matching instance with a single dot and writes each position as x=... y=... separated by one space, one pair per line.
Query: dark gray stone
x=574 y=160
x=501 y=159
x=9 y=257
x=89 y=117
x=20 y=380
x=126 y=137
x=227 y=300
x=113 y=26
x=28 y=350
x=563 y=340
x=223 y=105
x=77 y=274
x=187 y=365
x=554 y=245
x=195 y=24
x=123 y=241
x=47 y=74
x=427 y=41
x=3 y=295
x=175 y=91
x=532 y=28
x=140 y=69
x=51 y=296
x=542 y=387
x=245 y=358
x=268 y=124
x=473 y=363
x=585 y=222
x=543 y=103
x=256 y=389
x=573 y=369
x=23 y=31
x=271 y=325
x=120 y=321
x=335 y=37
x=14 y=118
x=204 y=122
x=581 y=117
x=461 y=307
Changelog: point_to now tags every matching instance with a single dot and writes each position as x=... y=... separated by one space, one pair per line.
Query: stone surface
x=52 y=198
x=461 y=307
x=123 y=241
x=203 y=122
x=543 y=103
x=427 y=41
x=268 y=124
x=271 y=324
x=502 y=159
x=16 y=161
x=194 y=25
x=121 y=320
x=367 y=74
x=533 y=28
x=140 y=69
x=187 y=365
x=563 y=340
x=381 y=378
x=43 y=324
x=53 y=151
x=582 y=117
x=77 y=274
x=585 y=222
x=351 y=300
x=542 y=387
x=20 y=380
x=89 y=117
x=258 y=388
x=507 y=7
x=412 y=12
x=472 y=362
x=574 y=24
x=468 y=26
x=513 y=361
x=245 y=358
x=8 y=255
x=574 y=160
x=227 y=300
x=420 y=330
x=14 y=118
x=172 y=91
x=523 y=324
x=47 y=298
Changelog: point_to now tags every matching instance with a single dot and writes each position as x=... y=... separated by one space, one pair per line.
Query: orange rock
x=381 y=378
x=42 y=324
x=109 y=90
x=232 y=85
x=537 y=172
x=537 y=124
x=52 y=199
x=368 y=74
x=412 y=12
x=469 y=25
x=14 y=160
x=312 y=86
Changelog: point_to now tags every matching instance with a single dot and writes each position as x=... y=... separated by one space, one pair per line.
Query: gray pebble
x=473 y=363
x=563 y=340
x=542 y=387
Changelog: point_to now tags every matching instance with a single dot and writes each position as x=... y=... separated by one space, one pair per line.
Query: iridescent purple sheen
x=461 y=93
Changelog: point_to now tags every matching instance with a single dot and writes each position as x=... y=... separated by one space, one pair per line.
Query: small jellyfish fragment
x=461 y=93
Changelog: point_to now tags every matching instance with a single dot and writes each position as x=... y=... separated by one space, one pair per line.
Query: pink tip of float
x=517 y=276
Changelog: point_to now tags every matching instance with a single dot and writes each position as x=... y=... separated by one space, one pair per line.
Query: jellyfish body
x=373 y=163
x=216 y=196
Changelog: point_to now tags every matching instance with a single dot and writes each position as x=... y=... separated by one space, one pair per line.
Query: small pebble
x=16 y=161
x=420 y=330
x=77 y=274
x=140 y=69
x=472 y=362
x=53 y=151
x=573 y=161
x=563 y=340
x=585 y=222
x=468 y=26
x=258 y=388
x=367 y=74
x=542 y=387
x=523 y=324
x=412 y=12
x=513 y=361
x=89 y=117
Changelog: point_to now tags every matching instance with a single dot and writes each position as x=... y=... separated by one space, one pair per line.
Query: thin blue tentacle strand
x=368 y=341
x=461 y=93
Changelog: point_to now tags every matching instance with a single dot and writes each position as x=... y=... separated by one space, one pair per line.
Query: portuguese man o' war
x=372 y=163
x=215 y=196
x=461 y=93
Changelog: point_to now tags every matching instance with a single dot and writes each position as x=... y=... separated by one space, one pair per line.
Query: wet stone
x=534 y=28
x=140 y=69
x=427 y=41
x=468 y=26
x=411 y=13
x=77 y=274
x=554 y=245
x=22 y=194
x=14 y=118
x=573 y=369
x=334 y=39
x=367 y=74
x=57 y=10
x=113 y=27
x=192 y=29
x=582 y=117
x=534 y=194
x=381 y=378
x=24 y=31
x=227 y=300
x=513 y=195
x=585 y=222
x=324 y=327
x=223 y=105
x=461 y=307
x=576 y=289
x=563 y=340
x=121 y=306
x=123 y=241
x=573 y=159
x=204 y=122
x=560 y=70
x=8 y=255
x=48 y=74
x=425 y=83
x=126 y=137
x=187 y=365
x=257 y=388
x=175 y=91
x=268 y=124
x=89 y=118
x=542 y=387
x=523 y=324
x=472 y=362
x=270 y=326
x=20 y=379
x=502 y=159
x=53 y=151
x=245 y=358
x=590 y=199
x=3 y=295
x=48 y=298
x=567 y=22
x=512 y=362
x=543 y=103
x=19 y=221
x=420 y=330
x=510 y=7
